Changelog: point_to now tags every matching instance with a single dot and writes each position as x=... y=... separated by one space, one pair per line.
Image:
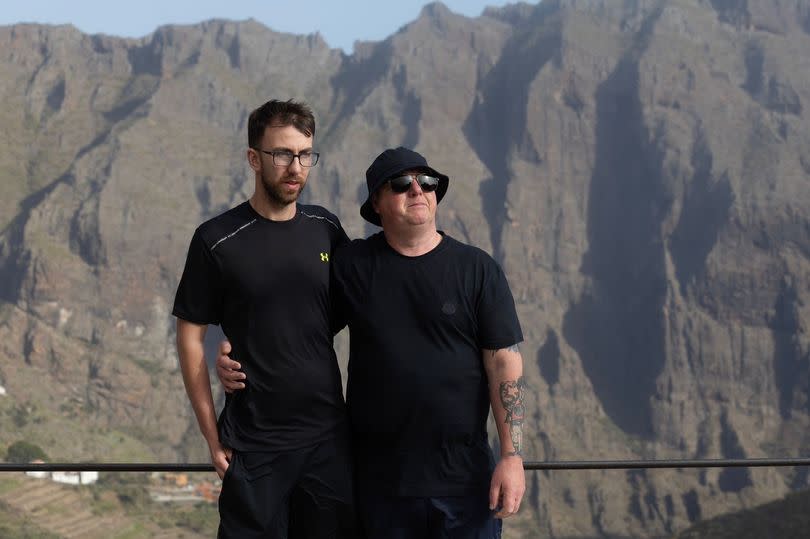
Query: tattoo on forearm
x=513 y=348
x=511 y=392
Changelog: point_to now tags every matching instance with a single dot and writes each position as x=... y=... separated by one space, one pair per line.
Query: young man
x=261 y=271
x=434 y=337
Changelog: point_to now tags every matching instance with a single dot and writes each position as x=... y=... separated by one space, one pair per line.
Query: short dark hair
x=280 y=113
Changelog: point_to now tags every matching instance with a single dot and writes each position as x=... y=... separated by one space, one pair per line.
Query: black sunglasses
x=401 y=184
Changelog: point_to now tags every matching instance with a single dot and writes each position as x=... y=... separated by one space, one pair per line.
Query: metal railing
x=527 y=465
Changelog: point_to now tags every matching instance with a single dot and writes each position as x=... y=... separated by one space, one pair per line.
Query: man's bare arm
x=504 y=368
x=198 y=388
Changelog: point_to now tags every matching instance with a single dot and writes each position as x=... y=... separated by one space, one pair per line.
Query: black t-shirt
x=417 y=391
x=267 y=284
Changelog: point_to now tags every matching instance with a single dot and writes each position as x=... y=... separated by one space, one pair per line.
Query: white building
x=75 y=478
x=68 y=478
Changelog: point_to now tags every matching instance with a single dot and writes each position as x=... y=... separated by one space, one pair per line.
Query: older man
x=434 y=337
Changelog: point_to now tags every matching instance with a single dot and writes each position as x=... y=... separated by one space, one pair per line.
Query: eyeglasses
x=401 y=184
x=284 y=158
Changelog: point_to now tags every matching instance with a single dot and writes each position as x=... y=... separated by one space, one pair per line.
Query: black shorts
x=445 y=517
x=301 y=494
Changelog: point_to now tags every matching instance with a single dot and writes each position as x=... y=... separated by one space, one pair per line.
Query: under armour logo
x=324 y=257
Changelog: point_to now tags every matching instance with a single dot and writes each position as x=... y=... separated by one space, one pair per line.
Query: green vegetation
x=202 y=518
x=22 y=452
x=14 y=526
x=62 y=429
x=23 y=414
x=129 y=492
x=130 y=488
x=119 y=503
x=8 y=482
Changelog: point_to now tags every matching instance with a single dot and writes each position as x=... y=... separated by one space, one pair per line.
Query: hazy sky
x=340 y=22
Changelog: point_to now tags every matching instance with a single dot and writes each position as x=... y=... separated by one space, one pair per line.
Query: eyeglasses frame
x=315 y=157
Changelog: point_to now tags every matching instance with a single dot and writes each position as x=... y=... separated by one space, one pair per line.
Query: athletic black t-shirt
x=417 y=392
x=267 y=284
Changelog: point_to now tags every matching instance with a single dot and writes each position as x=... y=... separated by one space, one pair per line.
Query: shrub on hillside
x=22 y=452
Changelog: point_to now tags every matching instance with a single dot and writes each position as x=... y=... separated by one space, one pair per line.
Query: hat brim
x=367 y=209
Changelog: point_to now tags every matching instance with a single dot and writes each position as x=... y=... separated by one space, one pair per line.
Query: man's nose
x=295 y=164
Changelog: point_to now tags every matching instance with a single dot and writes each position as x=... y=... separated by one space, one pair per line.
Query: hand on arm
x=504 y=369
x=228 y=370
x=198 y=387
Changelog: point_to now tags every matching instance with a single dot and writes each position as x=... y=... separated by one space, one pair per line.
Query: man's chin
x=418 y=220
x=285 y=197
x=418 y=215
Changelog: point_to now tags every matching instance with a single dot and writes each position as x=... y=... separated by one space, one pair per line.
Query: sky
x=340 y=22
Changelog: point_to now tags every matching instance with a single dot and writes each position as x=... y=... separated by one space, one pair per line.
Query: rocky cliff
x=640 y=169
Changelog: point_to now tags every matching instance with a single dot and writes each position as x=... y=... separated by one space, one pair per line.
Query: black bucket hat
x=389 y=164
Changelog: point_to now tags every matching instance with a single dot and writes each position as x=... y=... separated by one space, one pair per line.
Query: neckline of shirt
x=262 y=219
x=439 y=247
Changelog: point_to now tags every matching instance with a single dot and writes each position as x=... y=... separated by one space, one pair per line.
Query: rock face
x=640 y=169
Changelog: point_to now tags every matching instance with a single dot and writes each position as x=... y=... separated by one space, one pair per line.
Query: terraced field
x=71 y=512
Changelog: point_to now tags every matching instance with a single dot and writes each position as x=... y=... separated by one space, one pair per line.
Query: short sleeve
x=199 y=295
x=498 y=324
x=339 y=236
x=337 y=296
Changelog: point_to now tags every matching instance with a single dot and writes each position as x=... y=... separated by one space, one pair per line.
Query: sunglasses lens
x=400 y=184
x=427 y=183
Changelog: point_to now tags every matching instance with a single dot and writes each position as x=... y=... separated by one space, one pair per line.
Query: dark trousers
x=447 y=517
x=301 y=494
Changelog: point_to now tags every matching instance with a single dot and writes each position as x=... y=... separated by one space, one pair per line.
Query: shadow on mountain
x=787 y=518
x=357 y=78
x=411 y=108
x=15 y=258
x=705 y=210
x=617 y=326
x=548 y=359
x=733 y=12
x=771 y=92
x=791 y=366
x=496 y=127
x=146 y=59
x=732 y=479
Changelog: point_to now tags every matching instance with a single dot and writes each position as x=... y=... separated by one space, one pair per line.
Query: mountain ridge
x=640 y=172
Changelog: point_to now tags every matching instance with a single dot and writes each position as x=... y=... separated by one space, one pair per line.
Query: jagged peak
x=434 y=10
x=439 y=14
x=511 y=14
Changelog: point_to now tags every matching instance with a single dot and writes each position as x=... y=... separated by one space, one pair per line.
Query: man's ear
x=375 y=201
x=254 y=160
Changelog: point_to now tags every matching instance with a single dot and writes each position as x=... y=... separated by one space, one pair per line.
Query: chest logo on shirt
x=324 y=257
x=449 y=308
